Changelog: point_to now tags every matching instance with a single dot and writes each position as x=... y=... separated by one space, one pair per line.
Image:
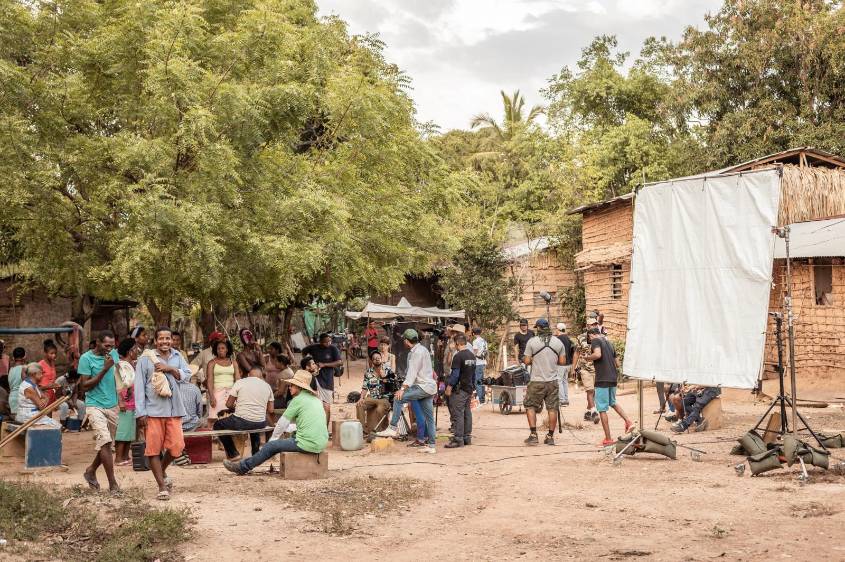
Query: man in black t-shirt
x=520 y=340
x=327 y=357
x=459 y=388
x=603 y=357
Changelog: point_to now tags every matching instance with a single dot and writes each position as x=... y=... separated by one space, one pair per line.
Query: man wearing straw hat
x=306 y=411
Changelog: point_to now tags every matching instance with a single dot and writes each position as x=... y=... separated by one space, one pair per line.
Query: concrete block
x=304 y=466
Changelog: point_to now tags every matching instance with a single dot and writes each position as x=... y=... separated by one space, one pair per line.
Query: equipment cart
x=506 y=397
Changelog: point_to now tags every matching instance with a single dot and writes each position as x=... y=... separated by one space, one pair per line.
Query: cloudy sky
x=460 y=53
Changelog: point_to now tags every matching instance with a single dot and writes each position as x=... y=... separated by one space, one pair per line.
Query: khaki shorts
x=325 y=395
x=540 y=392
x=103 y=422
x=588 y=379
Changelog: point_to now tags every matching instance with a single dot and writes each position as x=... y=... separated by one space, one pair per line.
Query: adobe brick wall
x=31 y=309
x=609 y=225
x=819 y=329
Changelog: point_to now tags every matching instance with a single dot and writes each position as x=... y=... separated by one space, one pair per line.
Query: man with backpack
x=544 y=353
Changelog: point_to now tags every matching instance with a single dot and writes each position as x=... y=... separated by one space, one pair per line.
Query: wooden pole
x=640 y=401
x=31 y=421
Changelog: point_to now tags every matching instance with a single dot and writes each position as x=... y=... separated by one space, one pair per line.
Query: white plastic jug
x=351 y=435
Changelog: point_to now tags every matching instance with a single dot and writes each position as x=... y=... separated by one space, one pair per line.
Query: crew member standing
x=586 y=371
x=544 y=353
x=604 y=358
x=327 y=357
x=459 y=388
x=520 y=340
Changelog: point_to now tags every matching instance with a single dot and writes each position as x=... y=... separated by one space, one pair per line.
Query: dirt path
x=498 y=499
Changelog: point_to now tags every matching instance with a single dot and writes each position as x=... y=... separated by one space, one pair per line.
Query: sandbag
x=656 y=437
x=816 y=457
x=791 y=447
x=764 y=462
x=667 y=450
x=623 y=442
x=832 y=441
x=738 y=450
x=752 y=443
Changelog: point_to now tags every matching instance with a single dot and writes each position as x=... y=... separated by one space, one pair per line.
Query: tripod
x=781 y=401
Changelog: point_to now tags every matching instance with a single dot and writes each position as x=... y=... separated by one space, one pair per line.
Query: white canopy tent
x=404 y=309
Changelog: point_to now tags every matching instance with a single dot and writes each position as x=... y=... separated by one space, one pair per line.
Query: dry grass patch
x=345 y=504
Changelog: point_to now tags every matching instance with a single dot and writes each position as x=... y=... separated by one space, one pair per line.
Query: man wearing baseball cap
x=586 y=370
x=419 y=385
x=306 y=411
x=544 y=353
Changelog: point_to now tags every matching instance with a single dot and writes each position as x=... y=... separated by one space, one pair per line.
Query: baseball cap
x=411 y=335
x=561 y=326
x=523 y=321
x=541 y=323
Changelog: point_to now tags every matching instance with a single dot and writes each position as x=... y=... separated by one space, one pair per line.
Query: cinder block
x=303 y=466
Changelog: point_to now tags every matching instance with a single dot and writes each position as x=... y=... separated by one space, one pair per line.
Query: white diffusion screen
x=701 y=272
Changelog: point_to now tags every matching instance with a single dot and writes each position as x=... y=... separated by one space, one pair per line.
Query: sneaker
x=467 y=440
x=595 y=416
x=389 y=432
x=587 y=416
x=701 y=426
x=532 y=440
x=671 y=418
x=416 y=443
x=549 y=440
x=232 y=466
x=427 y=449
x=454 y=444
x=678 y=428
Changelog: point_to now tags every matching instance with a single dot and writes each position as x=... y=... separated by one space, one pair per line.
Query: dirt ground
x=499 y=499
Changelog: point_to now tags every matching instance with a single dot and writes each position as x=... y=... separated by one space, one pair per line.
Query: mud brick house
x=813 y=188
x=23 y=306
x=536 y=264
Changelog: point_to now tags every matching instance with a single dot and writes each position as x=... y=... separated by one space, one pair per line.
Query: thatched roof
x=604 y=255
x=809 y=193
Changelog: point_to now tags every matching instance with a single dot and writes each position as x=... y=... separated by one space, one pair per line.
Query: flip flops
x=91 y=480
x=163 y=496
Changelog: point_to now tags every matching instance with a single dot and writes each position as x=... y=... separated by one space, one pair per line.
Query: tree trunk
x=206 y=321
x=162 y=314
x=288 y=317
x=82 y=308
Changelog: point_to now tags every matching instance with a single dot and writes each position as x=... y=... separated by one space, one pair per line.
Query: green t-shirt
x=104 y=395
x=306 y=411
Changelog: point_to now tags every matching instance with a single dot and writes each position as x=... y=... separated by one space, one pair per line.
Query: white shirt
x=420 y=372
x=479 y=348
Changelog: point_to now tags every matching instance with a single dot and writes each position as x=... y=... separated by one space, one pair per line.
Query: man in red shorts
x=159 y=375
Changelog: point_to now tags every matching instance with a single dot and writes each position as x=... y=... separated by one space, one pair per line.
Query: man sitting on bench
x=689 y=407
x=252 y=400
x=311 y=436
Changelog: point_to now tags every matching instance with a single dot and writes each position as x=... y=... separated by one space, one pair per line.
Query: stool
x=304 y=466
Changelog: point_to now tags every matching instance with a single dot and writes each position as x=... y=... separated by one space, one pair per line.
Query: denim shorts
x=605 y=398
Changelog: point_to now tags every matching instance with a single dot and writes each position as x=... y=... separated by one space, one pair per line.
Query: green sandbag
x=656 y=437
x=791 y=447
x=752 y=443
x=622 y=442
x=832 y=441
x=765 y=461
x=667 y=450
x=738 y=450
x=816 y=457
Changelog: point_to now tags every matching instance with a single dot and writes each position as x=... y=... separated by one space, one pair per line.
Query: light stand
x=782 y=400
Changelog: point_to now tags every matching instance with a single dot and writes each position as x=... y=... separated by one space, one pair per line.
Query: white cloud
x=460 y=53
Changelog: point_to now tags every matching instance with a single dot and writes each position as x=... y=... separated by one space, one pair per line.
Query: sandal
x=92 y=481
x=608 y=442
x=163 y=496
x=416 y=443
x=124 y=463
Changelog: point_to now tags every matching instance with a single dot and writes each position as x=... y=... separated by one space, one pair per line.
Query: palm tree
x=514 y=121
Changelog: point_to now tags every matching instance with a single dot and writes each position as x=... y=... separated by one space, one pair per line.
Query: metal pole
x=640 y=400
x=790 y=332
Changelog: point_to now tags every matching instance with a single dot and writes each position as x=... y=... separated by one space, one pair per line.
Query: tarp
x=404 y=309
x=701 y=273
x=814 y=239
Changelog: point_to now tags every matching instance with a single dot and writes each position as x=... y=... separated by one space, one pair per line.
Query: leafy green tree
x=225 y=152
x=477 y=282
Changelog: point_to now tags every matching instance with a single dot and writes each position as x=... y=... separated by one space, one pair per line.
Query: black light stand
x=782 y=400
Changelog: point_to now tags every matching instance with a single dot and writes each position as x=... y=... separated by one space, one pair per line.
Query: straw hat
x=302 y=379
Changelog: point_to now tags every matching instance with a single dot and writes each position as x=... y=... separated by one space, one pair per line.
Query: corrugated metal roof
x=521 y=250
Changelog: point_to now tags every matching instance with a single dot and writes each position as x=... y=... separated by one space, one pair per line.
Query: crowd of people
x=144 y=389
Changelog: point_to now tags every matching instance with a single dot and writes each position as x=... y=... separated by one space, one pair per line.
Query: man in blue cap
x=544 y=353
x=419 y=385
